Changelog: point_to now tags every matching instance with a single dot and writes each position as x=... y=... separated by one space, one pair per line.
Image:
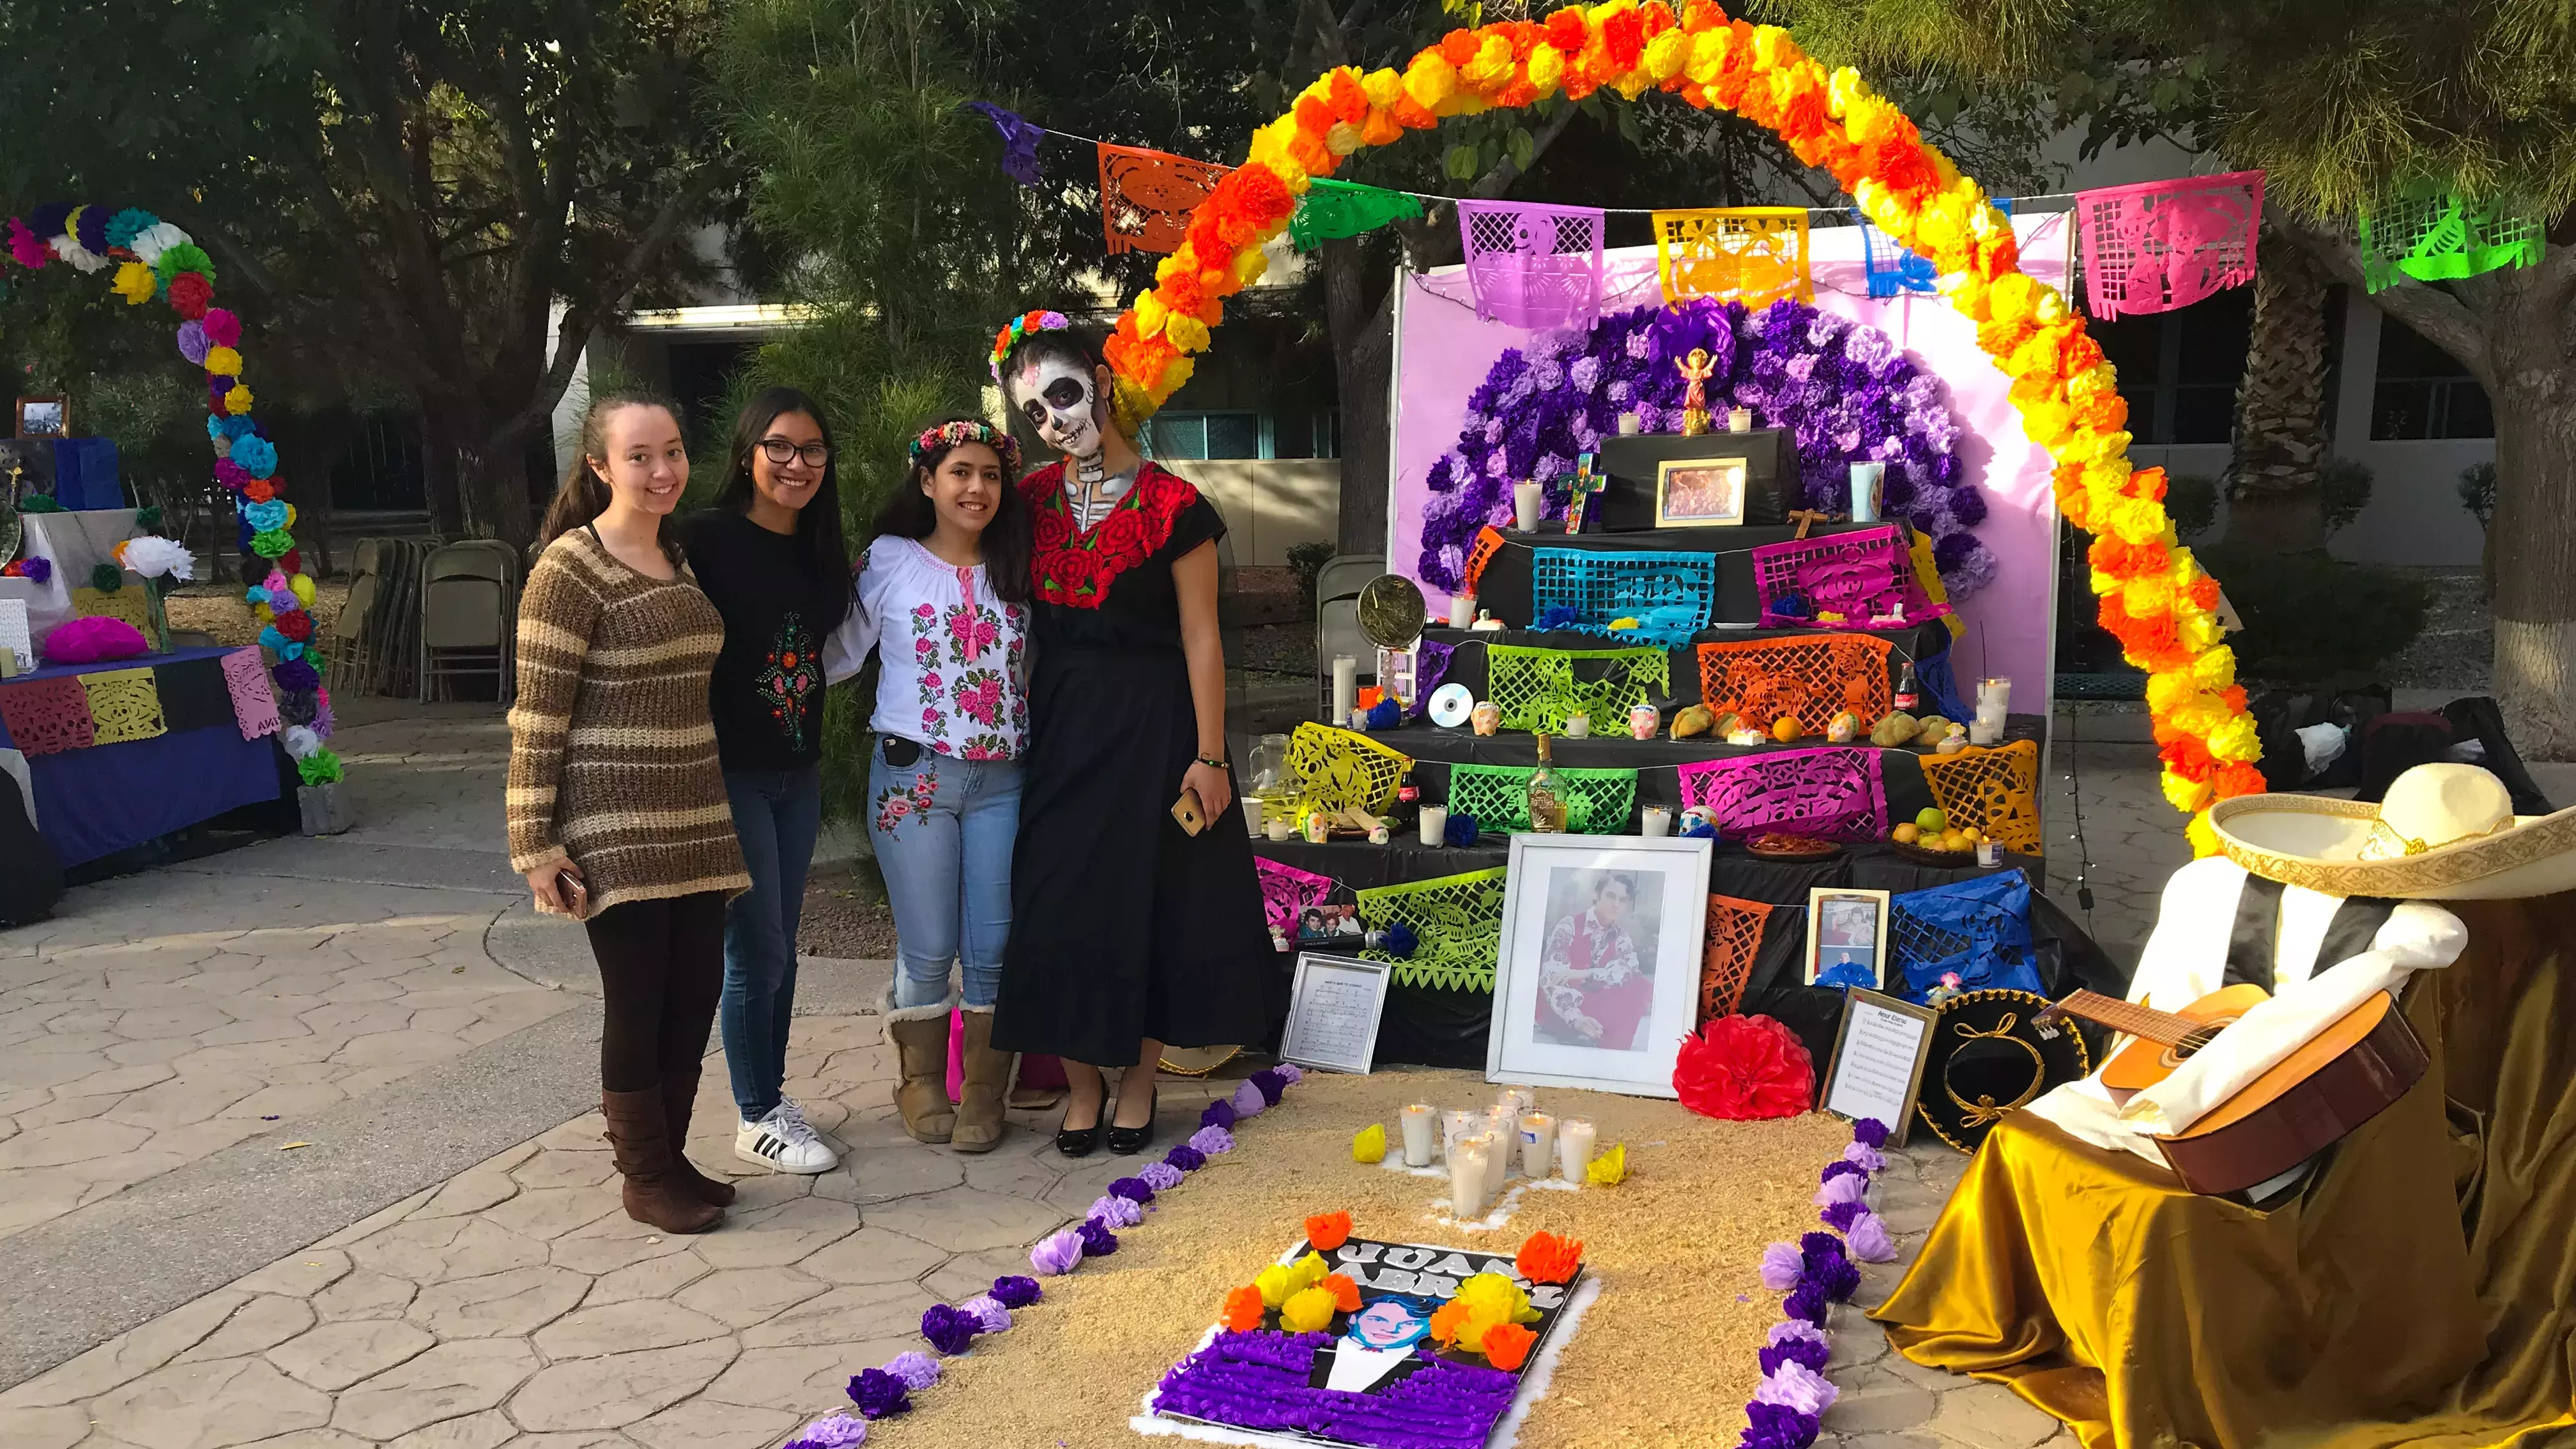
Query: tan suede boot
x=920 y=1035
x=988 y=1083
x=654 y=1193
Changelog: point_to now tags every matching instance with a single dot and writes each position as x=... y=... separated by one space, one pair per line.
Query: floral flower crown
x=950 y=434
x=1021 y=326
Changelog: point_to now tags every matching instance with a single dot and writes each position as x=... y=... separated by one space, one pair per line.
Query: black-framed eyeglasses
x=779 y=450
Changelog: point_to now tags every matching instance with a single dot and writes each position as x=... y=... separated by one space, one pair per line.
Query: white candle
x=1504 y=1126
x=1865 y=478
x=1522 y=1098
x=1986 y=729
x=1659 y=821
x=1630 y=425
x=1739 y=420
x=1280 y=828
x=1346 y=688
x=1253 y=810
x=1525 y=499
x=1574 y=1138
x=1470 y=1163
x=1538 y=1141
x=1578 y=725
x=1420 y=1122
x=1435 y=824
x=1462 y=611
x=1994 y=694
x=1454 y=1125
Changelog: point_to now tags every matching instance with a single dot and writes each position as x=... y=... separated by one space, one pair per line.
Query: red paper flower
x=1327 y=1231
x=189 y=294
x=297 y=626
x=1739 y=1068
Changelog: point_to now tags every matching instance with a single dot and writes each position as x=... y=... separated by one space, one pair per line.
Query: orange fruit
x=1785 y=728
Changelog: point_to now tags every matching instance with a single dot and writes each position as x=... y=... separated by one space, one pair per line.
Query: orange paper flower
x=1327 y=1231
x=1446 y=1321
x=1346 y=1294
x=1507 y=1346
x=1547 y=1258
x=1242 y=1310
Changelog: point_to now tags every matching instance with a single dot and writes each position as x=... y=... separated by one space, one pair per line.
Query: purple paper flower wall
x=1842 y=389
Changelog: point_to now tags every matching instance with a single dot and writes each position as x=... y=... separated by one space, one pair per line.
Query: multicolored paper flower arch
x=2155 y=598
x=152 y=258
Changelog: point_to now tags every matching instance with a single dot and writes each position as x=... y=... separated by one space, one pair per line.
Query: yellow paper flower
x=1310 y=1270
x=238 y=400
x=1547 y=69
x=1383 y=87
x=2215 y=670
x=1187 y=333
x=2236 y=739
x=1275 y=1283
x=1309 y=1310
x=1492 y=1298
x=1610 y=1168
x=264 y=613
x=1151 y=314
x=1370 y=1144
x=2168 y=692
x=136 y=283
x=223 y=362
x=2204 y=841
x=2187 y=796
x=1666 y=54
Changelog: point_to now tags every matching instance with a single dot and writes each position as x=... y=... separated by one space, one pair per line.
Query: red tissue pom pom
x=1738 y=1068
x=189 y=294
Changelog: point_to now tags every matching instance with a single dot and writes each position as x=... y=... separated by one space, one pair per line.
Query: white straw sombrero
x=2444 y=833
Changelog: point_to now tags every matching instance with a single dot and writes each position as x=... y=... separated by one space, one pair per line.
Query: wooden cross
x=1807 y=518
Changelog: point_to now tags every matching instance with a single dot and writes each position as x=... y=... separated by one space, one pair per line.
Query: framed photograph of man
x=44 y=417
x=1846 y=937
x=1599 y=972
x=1699 y=493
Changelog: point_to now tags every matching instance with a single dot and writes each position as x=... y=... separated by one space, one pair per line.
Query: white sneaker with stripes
x=783 y=1142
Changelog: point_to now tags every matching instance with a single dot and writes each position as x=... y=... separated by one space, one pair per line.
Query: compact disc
x=1451 y=704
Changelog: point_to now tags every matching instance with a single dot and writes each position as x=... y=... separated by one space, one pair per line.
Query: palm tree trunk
x=2275 y=499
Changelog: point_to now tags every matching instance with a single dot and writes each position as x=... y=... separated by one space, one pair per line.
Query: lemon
x=1905 y=834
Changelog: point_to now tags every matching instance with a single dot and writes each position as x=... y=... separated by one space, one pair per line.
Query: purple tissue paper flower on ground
x=1808 y=1302
x=1842 y=1189
x=833 y=1431
x=1819 y=1251
x=1813 y=1352
x=1271 y=1085
x=1781 y=1266
x=1014 y=1291
x=990 y=1316
x=1056 y=1254
x=1248 y=1101
x=1185 y=1157
x=950 y=1330
x=1792 y=1330
x=878 y=1394
x=1777 y=1426
x=1214 y=1141
x=1840 y=1167
x=918 y=1370
x=1841 y=1215
x=1115 y=1211
x=1867 y=1159
x=1097 y=1240
x=1160 y=1176
x=1218 y=1114
x=1869 y=1240
x=1796 y=1386
x=1131 y=1188
x=1290 y=1073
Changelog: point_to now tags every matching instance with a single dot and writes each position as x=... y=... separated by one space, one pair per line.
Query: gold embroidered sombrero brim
x=1989 y=1058
x=2315 y=841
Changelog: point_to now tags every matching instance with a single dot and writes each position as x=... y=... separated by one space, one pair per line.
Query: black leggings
x=661 y=968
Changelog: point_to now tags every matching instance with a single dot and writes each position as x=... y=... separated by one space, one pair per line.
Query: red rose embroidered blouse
x=952 y=657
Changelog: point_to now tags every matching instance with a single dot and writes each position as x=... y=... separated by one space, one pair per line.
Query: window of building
x=2424 y=392
x=2179 y=370
x=1283 y=434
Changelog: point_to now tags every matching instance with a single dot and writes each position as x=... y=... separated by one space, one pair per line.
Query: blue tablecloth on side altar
x=98 y=801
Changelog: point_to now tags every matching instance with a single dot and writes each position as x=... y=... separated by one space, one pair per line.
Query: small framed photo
x=1699 y=493
x=1877 y=1065
x=48 y=416
x=1846 y=938
x=1324 y=922
x=1333 y=1010
x=1598 y=978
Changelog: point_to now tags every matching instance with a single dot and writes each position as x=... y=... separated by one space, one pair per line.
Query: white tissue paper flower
x=153 y=557
x=301 y=741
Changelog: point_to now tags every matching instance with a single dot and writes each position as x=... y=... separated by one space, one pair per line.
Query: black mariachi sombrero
x=1988 y=1059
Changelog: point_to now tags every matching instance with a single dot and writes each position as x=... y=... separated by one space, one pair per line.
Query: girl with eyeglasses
x=770 y=556
x=943 y=599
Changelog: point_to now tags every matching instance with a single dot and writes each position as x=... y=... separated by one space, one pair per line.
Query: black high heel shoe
x=1128 y=1141
x=1078 y=1141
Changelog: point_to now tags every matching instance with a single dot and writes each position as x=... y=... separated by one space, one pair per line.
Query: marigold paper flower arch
x=2156 y=599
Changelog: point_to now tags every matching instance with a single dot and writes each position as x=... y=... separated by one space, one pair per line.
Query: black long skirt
x=1124 y=927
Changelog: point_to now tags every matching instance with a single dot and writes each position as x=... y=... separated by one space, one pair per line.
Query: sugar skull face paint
x=1061 y=402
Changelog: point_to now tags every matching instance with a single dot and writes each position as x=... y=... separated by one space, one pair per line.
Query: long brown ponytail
x=584 y=495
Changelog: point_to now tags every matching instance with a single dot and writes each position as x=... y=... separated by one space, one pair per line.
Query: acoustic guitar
x=2338 y=1079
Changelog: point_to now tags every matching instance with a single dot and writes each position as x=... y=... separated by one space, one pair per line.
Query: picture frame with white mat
x=1597 y=979
x=1877 y=1066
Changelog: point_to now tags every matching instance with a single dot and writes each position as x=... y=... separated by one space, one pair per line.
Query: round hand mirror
x=1391 y=611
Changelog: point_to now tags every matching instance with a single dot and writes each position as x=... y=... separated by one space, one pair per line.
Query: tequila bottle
x=1546 y=795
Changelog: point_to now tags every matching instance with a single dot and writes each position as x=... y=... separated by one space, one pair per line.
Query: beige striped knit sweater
x=612 y=753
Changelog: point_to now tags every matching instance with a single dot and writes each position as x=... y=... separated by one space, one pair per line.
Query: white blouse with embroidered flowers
x=952 y=657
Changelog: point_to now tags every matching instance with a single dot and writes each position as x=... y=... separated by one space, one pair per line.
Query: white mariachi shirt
x=953 y=658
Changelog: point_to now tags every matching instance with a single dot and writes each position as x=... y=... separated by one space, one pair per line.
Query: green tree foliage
x=409 y=192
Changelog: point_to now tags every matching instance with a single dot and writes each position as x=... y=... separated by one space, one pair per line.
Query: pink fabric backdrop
x=1444 y=350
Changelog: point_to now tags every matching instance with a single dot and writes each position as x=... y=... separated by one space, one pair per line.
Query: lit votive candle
x=1435 y=824
x=1421 y=1121
x=1739 y=420
x=1538 y=1142
x=1574 y=1139
x=1470 y=1163
x=1578 y=725
x=1279 y=828
x=1454 y=1125
x=1658 y=820
x=1462 y=611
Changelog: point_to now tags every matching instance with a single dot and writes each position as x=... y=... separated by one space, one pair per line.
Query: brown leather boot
x=654 y=1193
x=988 y=1083
x=679 y=1103
x=920 y=1035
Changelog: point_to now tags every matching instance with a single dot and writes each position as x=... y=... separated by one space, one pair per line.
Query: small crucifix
x=1580 y=485
x=1807 y=518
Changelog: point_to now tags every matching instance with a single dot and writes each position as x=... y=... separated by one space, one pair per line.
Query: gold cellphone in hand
x=1189 y=812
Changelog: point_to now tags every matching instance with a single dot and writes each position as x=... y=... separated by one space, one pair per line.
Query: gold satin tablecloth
x=2420 y=1291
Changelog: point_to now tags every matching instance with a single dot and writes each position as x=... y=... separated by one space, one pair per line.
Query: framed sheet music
x=1877 y=1065
x=1333 y=1011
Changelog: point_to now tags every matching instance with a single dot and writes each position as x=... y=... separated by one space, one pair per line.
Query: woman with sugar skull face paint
x=1127 y=933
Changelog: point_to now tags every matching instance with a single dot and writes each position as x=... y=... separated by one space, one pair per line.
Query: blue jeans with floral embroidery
x=943 y=830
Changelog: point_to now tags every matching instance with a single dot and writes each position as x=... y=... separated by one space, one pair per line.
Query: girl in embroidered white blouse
x=942 y=598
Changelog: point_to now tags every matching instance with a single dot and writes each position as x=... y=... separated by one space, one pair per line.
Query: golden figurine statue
x=1696 y=370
